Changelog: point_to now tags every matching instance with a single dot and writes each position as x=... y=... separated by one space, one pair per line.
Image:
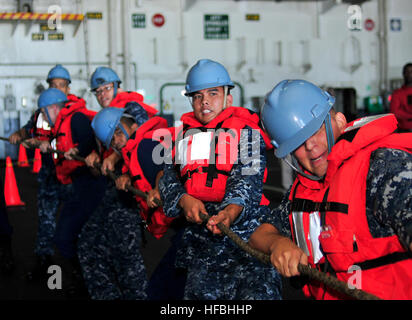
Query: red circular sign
x=369 y=24
x=158 y=20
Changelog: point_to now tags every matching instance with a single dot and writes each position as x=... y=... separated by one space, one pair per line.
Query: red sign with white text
x=158 y=20
x=369 y=24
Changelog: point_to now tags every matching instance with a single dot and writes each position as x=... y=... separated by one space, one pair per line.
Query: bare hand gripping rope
x=314 y=274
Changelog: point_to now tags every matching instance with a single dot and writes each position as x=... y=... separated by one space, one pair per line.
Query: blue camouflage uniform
x=49 y=198
x=109 y=249
x=110 y=242
x=217 y=267
x=82 y=196
x=388 y=198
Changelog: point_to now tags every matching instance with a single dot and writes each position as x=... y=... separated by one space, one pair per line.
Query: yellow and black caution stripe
x=28 y=16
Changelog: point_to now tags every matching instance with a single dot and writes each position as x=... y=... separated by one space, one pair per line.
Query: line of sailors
x=215 y=164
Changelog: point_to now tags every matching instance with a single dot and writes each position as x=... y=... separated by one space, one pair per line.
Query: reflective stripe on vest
x=313 y=234
x=206 y=155
x=195 y=147
x=53 y=144
x=41 y=123
x=155 y=220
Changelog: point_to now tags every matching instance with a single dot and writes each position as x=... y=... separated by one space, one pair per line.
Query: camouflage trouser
x=109 y=252
x=48 y=202
x=244 y=279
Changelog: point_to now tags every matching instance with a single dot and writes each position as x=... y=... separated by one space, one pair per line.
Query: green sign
x=94 y=15
x=55 y=36
x=216 y=26
x=37 y=36
x=45 y=27
x=138 y=20
x=252 y=17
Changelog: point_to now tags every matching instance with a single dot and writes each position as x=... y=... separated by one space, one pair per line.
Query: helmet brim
x=300 y=137
x=207 y=86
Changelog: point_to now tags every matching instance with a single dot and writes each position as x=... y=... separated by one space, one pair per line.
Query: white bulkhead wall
x=290 y=40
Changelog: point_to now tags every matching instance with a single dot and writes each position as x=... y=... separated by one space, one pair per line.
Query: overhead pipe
x=112 y=34
x=86 y=40
x=37 y=77
x=155 y=60
x=125 y=45
x=51 y=64
x=278 y=53
x=241 y=50
x=182 y=38
x=383 y=46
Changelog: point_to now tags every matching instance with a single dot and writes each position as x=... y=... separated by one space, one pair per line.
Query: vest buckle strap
x=312 y=206
x=188 y=175
x=135 y=178
x=384 y=260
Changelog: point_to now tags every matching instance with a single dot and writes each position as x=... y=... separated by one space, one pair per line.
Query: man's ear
x=229 y=100
x=340 y=121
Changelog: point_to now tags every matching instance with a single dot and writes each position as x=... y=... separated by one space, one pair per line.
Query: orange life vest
x=42 y=130
x=63 y=139
x=156 y=221
x=328 y=219
x=207 y=153
x=123 y=98
x=120 y=101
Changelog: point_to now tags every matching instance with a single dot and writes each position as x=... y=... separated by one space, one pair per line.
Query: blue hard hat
x=207 y=74
x=58 y=72
x=102 y=76
x=51 y=96
x=105 y=123
x=293 y=111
